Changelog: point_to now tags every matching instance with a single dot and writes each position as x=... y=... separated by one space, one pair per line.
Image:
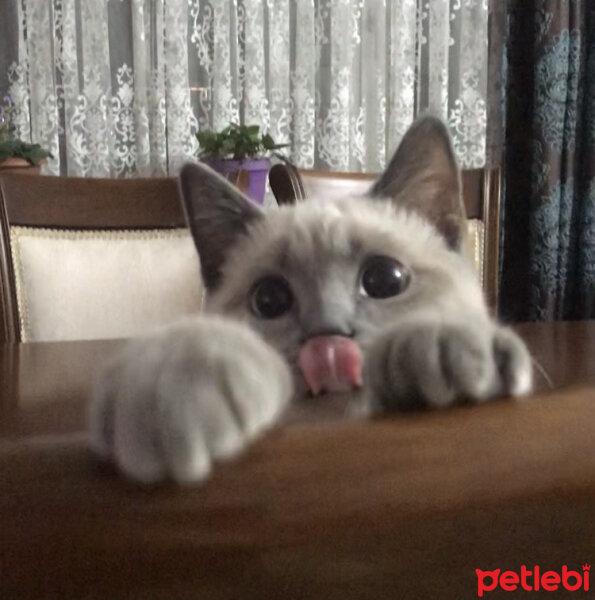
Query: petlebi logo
x=533 y=580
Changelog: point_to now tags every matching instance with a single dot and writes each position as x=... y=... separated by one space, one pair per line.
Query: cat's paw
x=170 y=404
x=436 y=364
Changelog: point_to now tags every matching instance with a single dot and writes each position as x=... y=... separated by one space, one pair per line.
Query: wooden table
x=403 y=507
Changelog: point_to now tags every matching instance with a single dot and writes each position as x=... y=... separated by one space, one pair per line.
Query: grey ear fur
x=423 y=176
x=217 y=214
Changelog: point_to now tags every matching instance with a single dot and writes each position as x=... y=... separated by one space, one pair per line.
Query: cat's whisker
x=539 y=367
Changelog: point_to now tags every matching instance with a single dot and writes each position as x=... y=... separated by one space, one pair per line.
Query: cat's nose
x=328 y=331
x=327 y=317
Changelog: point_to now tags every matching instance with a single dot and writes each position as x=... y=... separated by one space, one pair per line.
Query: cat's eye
x=383 y=277
x=271 y=297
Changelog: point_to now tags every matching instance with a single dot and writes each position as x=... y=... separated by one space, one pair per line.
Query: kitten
x=325 y=295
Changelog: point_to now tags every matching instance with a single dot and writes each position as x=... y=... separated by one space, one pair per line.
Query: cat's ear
x=217 y=214
x=423 y=176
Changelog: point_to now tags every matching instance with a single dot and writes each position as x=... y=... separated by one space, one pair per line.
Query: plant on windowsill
x=241 y=154
x=17 y=155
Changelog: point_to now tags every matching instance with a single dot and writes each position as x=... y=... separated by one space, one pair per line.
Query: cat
x=373 y=292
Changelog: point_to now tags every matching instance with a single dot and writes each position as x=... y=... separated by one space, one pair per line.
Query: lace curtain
x=120 y=87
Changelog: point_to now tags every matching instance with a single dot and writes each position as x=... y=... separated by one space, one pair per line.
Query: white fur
x=172 y=402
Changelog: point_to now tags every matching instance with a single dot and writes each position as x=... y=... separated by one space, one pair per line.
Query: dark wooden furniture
x=404 y=507
x=481 y=196
x=76 y=203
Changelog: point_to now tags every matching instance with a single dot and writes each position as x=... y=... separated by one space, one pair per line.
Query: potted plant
x=17 y=155
x=241 y=154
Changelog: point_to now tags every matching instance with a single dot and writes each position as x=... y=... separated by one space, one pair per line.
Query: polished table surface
x=327 y=507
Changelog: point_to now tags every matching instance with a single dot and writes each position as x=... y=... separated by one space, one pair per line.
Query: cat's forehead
x=344 y=228
x=313 y=229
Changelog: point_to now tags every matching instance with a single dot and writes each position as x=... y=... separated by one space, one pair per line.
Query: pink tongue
x=331 y=363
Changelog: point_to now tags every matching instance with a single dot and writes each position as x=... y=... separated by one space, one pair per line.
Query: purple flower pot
x=250 y=174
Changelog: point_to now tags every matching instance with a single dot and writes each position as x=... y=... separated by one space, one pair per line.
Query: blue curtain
x=548 y=254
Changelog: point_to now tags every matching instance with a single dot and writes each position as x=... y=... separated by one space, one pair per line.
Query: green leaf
x=237 y=141
x=33 y=153
x=268 y=142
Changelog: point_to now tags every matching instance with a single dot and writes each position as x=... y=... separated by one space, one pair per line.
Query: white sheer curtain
x=120 y=87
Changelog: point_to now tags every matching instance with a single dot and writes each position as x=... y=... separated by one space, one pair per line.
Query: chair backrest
x=89 y=258
x=481 y=196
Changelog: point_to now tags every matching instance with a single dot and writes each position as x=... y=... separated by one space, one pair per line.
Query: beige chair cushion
x=476 y=230
x=102 y=284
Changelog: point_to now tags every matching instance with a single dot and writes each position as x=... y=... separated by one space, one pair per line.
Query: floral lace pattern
x=120 y=87
x=548 y=266
x=557 y=73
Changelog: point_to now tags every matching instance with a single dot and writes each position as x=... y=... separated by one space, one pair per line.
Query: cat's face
x=346 y=267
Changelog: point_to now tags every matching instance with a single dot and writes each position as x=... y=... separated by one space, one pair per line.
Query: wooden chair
x=481 y=196
x=59 y=236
